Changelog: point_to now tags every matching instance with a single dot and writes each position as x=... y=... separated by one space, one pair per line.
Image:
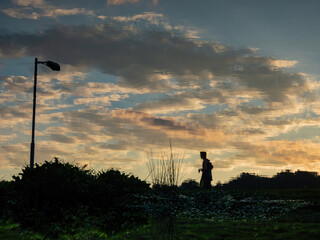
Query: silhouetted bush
x=6 y=189
x=248 y=181
x=59 y=196
x=114 y=197
x=165 y=189
x=190 y=184
x=48 y=192
x=282 y=180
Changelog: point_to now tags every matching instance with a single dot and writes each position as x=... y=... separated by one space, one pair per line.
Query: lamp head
x=52 y=65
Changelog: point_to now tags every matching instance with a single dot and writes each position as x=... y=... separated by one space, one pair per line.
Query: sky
x=238 y=79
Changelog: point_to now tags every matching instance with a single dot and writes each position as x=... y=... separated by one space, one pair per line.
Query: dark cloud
x=274 y=84
x=125 y=130
x=138 y=56
x=12 y=113
x=61 y=138
x=229 y=113
x=17 y=84
x=185 y=100
x=67 y=87
x=173 y=103
x=252 y=109
x=277 y=122
x=121 y=145
x=251 y=131
x=209 y=121
x=169 y=124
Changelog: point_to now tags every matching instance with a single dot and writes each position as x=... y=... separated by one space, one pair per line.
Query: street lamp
x=55 y=67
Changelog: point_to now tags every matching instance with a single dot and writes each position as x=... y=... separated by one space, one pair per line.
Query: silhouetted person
x=206 y=177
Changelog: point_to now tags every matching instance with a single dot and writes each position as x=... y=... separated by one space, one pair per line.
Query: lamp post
x=55 y=67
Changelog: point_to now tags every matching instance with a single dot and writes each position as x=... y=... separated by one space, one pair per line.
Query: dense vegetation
x=282 y=180
x=55 y=197
x=57 y=200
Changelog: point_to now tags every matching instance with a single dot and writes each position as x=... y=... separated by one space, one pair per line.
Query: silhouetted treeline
x=285 y=179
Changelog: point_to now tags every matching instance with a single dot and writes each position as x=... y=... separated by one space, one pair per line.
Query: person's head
x=203 y=155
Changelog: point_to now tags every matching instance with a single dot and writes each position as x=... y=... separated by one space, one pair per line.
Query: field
x=216 y=214
x=57 y=200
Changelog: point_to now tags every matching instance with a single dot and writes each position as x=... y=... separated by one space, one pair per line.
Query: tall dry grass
x=165 y=169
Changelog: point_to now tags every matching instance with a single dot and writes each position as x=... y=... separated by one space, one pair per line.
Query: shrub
x=114 y=197
x=6 y=188
x=47 y=193
x=282 y=180
x=56 y=197
x=190 y=184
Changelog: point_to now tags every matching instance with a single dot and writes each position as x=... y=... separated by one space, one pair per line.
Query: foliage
x=200 y=229
x=6 y=189
x=282 y=180
x=50 y=193
x=190 y=184
x=57 y=197
x=113 y=198
x=195 y=229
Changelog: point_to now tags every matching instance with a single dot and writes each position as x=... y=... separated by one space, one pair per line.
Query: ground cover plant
x=57 y=200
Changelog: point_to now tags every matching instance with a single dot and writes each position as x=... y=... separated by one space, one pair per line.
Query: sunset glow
x=237 y=79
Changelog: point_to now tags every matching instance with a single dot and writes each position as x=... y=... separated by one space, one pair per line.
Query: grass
x=205 y=230
x=12 y=231
x=308 y=194
x=299 y=224
x=196 y=229
x=9 y=231
x=165 y=170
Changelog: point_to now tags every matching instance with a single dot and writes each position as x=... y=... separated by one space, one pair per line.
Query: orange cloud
x=118 y=2
x=289 y=154
x=44 y=10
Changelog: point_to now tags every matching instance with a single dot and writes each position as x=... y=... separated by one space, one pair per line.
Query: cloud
x=141 y=58
x=12 y=116
x=282 y=63
x=35 y=9
x=170 y=104
x=151 y=17
x=16 y=84
x=104 y=100
x=202 y=95
x=195 y=75
x=125 y=129
x=11 y=112
x=61 y=138
x=33 y=3
x=297 y=154
x=6 y=138
x=119 y=2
